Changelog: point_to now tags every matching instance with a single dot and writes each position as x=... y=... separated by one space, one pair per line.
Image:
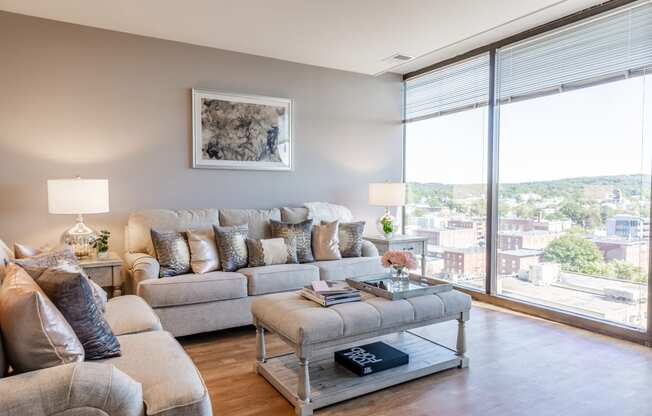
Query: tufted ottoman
x=309 y=378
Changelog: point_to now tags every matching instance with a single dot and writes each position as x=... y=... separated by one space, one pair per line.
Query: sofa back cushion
x=36 y=335
x=257 y=220
x=138 y=237
x=294 y=215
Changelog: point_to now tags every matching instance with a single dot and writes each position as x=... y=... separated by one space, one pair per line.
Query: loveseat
x=194 y=303
x=153 y=376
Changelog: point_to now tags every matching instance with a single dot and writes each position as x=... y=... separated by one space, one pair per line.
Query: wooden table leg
x=303 y=389
x=261 y=355
x=461 y=341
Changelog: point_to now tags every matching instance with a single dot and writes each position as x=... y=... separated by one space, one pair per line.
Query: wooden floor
x=519 y=366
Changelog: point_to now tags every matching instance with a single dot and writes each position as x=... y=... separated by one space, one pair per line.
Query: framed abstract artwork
x=233 y=131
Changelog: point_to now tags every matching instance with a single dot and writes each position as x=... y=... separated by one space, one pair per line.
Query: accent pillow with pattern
x=232 y=246
x=172 y=252
x=301 y=232
x=350 y=234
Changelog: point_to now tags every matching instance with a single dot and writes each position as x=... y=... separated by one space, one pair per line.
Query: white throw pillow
x=327 y=212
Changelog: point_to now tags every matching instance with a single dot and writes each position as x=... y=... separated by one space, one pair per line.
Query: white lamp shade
x=78 y=196
x=387 y=194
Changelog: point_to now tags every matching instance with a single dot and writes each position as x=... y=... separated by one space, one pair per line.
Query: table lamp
x=77 y=197
x=387 y=194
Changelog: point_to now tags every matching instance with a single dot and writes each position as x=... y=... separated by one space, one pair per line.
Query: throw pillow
x=172 y=252
x=50 y=258
x=203 y=251
x=350 y=235
x=35 y=333
x=232 y=247
x=22 y=251
x=36 y=265
x=301 y=232
x=72 y=294
x=271 y=251
x=325 y=241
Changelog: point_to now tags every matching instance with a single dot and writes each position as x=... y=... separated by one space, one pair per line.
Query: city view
x=573 y=201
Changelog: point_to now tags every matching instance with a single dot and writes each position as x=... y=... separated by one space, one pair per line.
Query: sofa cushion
x=279 y=278
x=140 y=223
x=256 y=219
x=171 y=383
x=130 y=314
x=349 y=268
x=187 y=289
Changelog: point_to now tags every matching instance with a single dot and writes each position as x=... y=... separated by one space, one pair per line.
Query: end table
x=415 y=244
x=106 y=272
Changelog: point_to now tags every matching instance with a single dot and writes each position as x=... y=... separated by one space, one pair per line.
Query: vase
x=400 y=275
x=103 y=255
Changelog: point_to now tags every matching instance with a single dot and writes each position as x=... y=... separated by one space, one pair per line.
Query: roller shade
x=612 y=46
x=456 y=87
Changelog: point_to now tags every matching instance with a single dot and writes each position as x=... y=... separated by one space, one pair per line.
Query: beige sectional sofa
x=154 y=375
x=193 y=303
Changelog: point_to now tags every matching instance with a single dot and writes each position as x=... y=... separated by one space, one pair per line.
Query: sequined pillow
x=232 y=246
x=51 y=258
x=300 y=232
x=172 y=252
x=351 y=238
x=271 y=251
x=72 y=294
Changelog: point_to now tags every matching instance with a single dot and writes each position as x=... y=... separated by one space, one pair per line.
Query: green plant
x=101 y=242
x=388 y=225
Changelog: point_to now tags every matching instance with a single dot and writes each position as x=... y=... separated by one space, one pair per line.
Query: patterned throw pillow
x=51 y=258
x=72 y=294
x=325 y=241
x=351 y=238
x=232 y=246
x=271 y=251
x=172 y=252
x=301 y=232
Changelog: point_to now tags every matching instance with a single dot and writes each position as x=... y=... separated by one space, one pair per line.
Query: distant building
x=544 y=274
x=553 y=226
x=516 y=240
x=450 y=237
x=477 y=224
x=528 y=224
x=628 y=226
x=633 y=252
x=465 y=261
x=515 y=261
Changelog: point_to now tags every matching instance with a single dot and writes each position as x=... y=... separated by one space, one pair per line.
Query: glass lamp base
x=80 y=238
x=386 y=225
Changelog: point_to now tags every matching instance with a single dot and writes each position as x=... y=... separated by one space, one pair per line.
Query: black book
x=371 y=358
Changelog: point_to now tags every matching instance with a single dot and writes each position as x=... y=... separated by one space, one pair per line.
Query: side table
x=417 y=245
x=106 y=272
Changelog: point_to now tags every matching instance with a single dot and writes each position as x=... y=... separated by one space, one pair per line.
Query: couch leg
x=304 y=382
x=261 y=356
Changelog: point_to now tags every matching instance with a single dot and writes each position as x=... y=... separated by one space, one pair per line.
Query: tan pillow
x=35 y=334
x=325 y=241
x=22 y=251
x=203 y=251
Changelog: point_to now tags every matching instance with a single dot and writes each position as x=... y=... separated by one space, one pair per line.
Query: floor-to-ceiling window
x=571 y=141
x=445 y=168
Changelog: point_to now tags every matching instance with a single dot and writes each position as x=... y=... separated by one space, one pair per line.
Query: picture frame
x=241 y=132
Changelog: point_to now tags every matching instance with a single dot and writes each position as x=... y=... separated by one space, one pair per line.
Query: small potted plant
x=399 y=261
x=101 y=244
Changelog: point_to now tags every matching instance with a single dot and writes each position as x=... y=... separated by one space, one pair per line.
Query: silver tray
x=414 y=287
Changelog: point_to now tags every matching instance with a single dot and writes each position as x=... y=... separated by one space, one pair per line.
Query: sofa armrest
x=140 y=267
x=71 y=388
x=369 y=249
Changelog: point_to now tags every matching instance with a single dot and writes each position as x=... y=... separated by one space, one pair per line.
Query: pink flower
x=396 y=258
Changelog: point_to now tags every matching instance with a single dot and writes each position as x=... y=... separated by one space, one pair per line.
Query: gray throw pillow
x=232 y=247
x=72 y=294
x=271 y=251
x=172 y=252
x=301 y=232
x=351 y=238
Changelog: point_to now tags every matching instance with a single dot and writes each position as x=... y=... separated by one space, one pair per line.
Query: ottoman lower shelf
x=331 y=383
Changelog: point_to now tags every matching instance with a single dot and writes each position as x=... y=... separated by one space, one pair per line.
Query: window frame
x=489 y=294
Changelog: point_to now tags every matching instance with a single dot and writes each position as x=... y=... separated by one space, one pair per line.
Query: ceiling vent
x=398 y=58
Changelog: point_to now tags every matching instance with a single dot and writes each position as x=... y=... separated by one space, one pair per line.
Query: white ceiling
x=352 y=35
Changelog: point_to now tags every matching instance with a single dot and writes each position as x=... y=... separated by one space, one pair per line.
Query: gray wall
x=81 y=101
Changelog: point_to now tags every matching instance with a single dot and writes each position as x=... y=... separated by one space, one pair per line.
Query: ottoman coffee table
x=310 y=379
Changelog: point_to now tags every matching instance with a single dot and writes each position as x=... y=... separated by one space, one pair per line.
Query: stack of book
x=328 y=293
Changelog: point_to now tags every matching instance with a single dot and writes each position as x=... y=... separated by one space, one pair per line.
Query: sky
x=596 y=131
